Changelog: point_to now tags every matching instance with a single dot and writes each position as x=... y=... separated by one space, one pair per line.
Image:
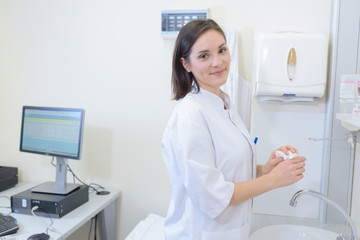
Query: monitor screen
x=52 y=131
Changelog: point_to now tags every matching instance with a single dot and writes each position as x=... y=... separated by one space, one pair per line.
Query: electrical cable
x=49 y=226
x=89 y=185
x=96 y=185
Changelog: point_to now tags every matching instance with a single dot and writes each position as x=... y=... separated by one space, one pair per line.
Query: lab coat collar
x=217 y=100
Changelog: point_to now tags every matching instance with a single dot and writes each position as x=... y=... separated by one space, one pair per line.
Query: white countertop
x=348 y=121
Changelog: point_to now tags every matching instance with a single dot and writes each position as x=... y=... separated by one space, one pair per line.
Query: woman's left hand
x=274 y=161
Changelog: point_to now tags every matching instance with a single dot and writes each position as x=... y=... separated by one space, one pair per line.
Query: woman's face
x=209 y=61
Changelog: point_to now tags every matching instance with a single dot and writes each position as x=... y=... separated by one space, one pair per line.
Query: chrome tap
x=296 y=196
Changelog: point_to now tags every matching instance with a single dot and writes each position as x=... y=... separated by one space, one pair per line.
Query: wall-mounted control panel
x=173 y=21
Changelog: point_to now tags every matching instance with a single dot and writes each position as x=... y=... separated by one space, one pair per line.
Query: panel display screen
x=52 y=131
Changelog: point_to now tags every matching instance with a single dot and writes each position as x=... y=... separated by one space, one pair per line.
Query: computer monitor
x=56 y=132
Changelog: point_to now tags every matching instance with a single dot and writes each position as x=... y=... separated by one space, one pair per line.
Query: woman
x=208 y=152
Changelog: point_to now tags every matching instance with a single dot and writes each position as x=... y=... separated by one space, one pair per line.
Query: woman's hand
x=274 y=161
x=288 y=172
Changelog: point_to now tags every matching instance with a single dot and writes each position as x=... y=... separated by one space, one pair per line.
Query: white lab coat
x=206 y=149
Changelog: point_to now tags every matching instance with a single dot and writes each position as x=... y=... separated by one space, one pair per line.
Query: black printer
x=8 y=177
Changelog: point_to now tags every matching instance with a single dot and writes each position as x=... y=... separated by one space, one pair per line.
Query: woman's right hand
x=273 y=161
x=288 y=172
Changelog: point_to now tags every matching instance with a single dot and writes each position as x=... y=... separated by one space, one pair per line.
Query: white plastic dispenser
x=291 y=64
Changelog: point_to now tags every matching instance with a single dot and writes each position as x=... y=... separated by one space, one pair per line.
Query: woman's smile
x=218 y=73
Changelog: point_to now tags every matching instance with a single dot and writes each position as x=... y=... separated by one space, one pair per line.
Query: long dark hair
x=182 y=81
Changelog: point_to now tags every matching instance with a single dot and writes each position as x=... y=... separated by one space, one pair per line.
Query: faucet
x=296 y=196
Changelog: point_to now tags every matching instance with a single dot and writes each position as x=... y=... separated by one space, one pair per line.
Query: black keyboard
x=8 y=225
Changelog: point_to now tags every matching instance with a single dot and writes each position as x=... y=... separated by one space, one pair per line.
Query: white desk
x=104 y=205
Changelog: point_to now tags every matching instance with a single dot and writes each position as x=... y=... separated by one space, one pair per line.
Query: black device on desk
x=8 y=177
x=8 y=225
x=53 y=205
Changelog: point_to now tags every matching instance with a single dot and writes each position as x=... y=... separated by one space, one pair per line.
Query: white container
x=356 y=110
x=349 y=93
x=291 y=64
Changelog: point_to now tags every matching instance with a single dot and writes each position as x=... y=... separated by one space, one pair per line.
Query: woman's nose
x=216 y=60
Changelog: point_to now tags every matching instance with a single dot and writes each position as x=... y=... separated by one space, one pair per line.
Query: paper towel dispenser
x=291 y=64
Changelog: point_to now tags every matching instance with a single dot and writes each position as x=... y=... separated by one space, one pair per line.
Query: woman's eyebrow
x=205 y=51
x=222 y=45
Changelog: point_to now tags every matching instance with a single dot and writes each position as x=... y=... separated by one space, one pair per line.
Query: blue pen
x=255 y=140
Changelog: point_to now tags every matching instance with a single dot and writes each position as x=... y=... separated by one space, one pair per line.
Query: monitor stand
x=60 y=187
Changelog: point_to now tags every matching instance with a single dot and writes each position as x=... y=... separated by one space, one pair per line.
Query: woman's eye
x=223 y=50
x=204 y=56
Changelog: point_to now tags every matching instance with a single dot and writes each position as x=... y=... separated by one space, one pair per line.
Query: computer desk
x=102 y=205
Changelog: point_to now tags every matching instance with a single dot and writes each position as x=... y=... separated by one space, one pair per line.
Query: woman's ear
x=185 y=64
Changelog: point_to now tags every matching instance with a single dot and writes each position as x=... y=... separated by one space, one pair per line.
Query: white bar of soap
x=284 y=156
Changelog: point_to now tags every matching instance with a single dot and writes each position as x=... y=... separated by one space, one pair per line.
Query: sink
x=293 y=232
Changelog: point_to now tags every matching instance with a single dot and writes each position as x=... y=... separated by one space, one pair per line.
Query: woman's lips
x=217 y=73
